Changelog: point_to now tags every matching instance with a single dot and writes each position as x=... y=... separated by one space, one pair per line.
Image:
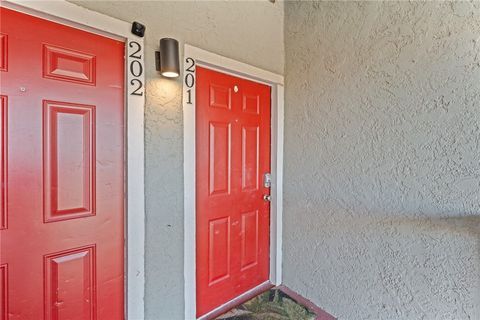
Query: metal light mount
x=167 y=60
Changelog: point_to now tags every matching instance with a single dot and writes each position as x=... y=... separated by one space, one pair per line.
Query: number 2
x=139 y=48
x=191 y=68
x=140 y=86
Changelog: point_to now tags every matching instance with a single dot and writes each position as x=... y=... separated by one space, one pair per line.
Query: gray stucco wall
x=382 y=163
x=250 y=32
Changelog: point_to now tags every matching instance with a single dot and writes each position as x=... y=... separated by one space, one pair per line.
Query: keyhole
x=235 y=88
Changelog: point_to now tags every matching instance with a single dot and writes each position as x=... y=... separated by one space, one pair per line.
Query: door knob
x=267 y=198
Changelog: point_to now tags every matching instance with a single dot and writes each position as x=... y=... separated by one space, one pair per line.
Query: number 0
x=189 y=80
x=136 y=72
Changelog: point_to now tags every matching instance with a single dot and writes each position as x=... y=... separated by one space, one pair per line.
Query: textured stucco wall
x=250 y=32
x=382 y=167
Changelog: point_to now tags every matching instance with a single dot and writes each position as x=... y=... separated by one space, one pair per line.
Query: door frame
x=63 y=12
x=226 y=65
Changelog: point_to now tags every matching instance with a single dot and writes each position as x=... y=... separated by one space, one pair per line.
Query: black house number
x=136 y=69
x=189 y=77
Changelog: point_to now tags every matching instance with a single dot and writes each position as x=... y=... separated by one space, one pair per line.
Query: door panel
x=68 y=65
x=249 y=232
x=220 y=169
x=3 y=292
x=70 y=277
x=62 y=172
x=3 y=161
x=69 y=160
x=233 y=153
x=3 y=52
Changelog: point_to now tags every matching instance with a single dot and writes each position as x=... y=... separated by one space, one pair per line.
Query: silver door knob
x=267 y=197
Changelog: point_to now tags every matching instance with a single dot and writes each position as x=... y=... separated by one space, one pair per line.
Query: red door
x=62 y=148
x=233 y=154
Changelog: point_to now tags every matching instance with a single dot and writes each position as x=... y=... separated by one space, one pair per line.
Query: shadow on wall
x=468 y=225
x=335 y=215
x=384 y=267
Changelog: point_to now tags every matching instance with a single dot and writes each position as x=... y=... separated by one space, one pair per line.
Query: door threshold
x=237 y=301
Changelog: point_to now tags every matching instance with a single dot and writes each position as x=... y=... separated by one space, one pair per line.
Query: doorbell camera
x=138 y=29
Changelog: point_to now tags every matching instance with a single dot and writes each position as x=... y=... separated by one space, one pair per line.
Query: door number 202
x=189 y=77
x=136 y=68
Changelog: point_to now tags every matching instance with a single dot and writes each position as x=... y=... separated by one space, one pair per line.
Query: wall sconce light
x=167 y=59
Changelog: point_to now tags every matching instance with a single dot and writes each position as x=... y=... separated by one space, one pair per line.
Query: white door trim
x=72 y=15
x=238 y=69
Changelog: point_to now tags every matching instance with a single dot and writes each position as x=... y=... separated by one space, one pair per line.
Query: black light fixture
x=167 y=59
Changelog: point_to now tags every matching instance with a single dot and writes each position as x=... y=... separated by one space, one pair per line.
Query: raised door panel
x=220 y=97
x=69 y=160
x=68 y=65
x=70 y=285
x=3 y=292
x=3 y=52
x=249 y=242
x=219 y=250
x=3 y=161
x=250 y=160
x=251 y=104
x=219 y=158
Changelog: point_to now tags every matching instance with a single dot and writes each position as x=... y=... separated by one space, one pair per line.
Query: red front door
x=233 y=154
x=62 y=173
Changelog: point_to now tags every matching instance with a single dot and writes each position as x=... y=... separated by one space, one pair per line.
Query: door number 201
x=136 y=69
x=189 y=77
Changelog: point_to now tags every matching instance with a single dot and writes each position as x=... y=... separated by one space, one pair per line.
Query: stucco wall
x=250 y=32
x=382 y=167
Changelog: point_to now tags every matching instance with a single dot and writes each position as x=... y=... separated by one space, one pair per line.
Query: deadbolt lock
x=267 y=180
x=267 y=198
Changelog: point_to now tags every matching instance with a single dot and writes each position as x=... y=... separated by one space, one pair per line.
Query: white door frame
x=214 y=61
x=75 y=16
